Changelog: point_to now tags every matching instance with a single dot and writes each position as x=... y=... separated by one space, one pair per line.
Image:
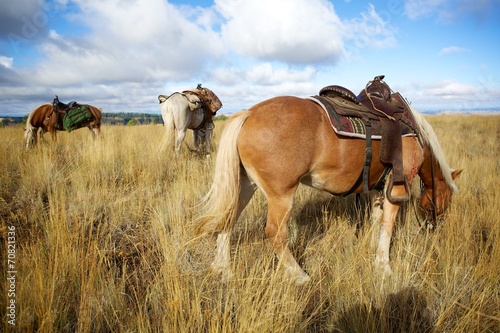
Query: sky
x=441 y=55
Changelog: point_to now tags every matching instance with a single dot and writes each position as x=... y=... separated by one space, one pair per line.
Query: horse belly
x=338 y=172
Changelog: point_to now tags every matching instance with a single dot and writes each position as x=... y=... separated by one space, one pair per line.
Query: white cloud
x=370 y=31
x=452 y=49
x=127 y=39
x=6 y=62
x=450 y=89
x=292 y=31
x=266 y=74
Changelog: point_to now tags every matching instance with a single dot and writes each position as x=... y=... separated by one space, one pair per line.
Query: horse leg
x=208 y=140
x=377 y=205
x=221 y=263
x=95 y=131
x=278 y=213
x=389 y=213
x=196 y=139
x=53 y=134
x=41 y=133
x=181 y=134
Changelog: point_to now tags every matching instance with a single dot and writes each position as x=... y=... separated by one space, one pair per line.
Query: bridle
x=433 y=199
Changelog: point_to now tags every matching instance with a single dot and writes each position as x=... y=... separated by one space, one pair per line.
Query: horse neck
x=40 y=114
x=430 y=172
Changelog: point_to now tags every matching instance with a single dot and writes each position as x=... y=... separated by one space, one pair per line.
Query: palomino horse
x=49 y=119
x=192 y=109
x=284 y=141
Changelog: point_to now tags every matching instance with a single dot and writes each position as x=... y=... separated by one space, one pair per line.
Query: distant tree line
x=112 y=118
x=124 y=118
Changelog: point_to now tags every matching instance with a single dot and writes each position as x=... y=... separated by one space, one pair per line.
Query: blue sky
x=441 y=55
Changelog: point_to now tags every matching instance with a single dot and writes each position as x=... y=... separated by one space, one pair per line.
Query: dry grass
x=104 y=244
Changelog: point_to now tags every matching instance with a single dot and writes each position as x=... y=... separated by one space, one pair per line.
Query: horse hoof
x=384 y=269
x=301 y=280
x=225 y=272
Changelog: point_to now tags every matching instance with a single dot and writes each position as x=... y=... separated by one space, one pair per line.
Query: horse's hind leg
x=221 y=263
x=181 y=135
x=95 y=131
x=278 y=213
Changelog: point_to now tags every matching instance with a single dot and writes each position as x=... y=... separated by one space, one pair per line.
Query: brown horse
x=284 y=141
x=49 y=118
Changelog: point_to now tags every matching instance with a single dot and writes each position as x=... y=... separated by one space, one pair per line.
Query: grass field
x=103 y=236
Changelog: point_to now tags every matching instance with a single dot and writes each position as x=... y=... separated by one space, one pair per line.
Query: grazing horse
x=284 y=141
x=49 y=118
x=192 y=109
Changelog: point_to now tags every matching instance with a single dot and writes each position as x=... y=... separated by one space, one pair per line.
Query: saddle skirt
x=355 y=125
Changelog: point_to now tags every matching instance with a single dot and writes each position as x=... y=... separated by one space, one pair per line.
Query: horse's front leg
x=40 y=134
x=389 y=214
x=196 y=139
x=208 y=141
x=53 y=134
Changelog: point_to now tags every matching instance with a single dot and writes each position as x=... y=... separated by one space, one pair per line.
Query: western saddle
x=375 y=102
x=60 y=109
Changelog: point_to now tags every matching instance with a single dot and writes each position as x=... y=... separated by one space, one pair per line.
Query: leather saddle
x=57 y=104
x=375 y=102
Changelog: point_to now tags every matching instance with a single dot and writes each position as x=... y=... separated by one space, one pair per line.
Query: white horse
x=189 y=110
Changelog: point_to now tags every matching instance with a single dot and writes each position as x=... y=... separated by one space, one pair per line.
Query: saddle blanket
x=355 y=127
x=77 y=118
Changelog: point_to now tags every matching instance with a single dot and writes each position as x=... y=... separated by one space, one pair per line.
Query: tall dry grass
x=104 y=243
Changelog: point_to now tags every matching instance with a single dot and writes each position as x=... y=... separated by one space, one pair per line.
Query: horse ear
x=456 y=173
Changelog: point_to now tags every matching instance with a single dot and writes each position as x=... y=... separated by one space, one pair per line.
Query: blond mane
x=428 y=135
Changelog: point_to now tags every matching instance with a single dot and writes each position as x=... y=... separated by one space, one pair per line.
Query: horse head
x=29 y=137
x=435 y=196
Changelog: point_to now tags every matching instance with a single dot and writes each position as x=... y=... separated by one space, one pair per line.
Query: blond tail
x=221 y=202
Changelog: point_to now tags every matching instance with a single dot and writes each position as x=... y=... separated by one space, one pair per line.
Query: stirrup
x=397 y=199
